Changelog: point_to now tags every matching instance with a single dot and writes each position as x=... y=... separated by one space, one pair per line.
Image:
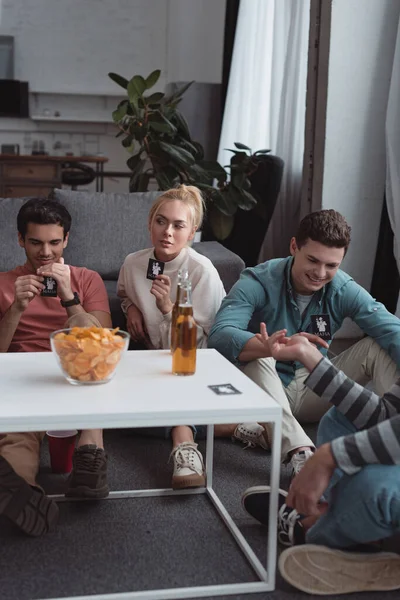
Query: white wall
x=192 y=33
x=363 y=35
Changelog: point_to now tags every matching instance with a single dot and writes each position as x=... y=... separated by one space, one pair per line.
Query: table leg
x=273 y=501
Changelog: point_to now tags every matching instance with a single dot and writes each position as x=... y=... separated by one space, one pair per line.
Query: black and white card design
x=50 y=289
x=156 y=267
x=224 y=389
x=321 y=326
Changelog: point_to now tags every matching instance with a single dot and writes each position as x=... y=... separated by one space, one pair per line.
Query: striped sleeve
x=361 y=406
x=378 y=445
x=377 y=418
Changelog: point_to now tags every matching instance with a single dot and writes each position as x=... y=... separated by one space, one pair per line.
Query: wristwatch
x=67 y=303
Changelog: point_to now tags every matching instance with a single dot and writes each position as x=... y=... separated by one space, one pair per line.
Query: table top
x=35 y=396
x=50 y=158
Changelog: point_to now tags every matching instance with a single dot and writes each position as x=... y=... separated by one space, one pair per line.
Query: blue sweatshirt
x=265 y=294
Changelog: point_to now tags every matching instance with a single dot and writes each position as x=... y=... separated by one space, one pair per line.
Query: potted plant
x=157 y=136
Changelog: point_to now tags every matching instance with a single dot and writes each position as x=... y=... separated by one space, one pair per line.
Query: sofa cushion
x=105 y=228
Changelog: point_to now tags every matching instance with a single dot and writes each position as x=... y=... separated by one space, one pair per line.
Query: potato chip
x=89 y=353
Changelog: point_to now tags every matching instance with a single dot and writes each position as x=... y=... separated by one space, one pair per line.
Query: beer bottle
x=184 y=353
x=182 y=276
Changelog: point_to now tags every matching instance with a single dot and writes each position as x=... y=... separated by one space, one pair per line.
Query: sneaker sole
x=323 y=571
x=88 y=493
x=259 y=510
x=189 y=481
x=33 y=512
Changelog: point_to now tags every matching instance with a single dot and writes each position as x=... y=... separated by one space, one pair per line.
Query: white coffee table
x=144 y=393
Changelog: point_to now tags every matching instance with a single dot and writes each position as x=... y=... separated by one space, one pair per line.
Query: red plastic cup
x=61 y=448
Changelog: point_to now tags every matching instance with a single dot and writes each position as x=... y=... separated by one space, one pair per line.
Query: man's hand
x=27 y=287
x=135 y=324
x=62 y=274
x=308 y=486
x=272 y=342
x=300 y=346
x=161 y=289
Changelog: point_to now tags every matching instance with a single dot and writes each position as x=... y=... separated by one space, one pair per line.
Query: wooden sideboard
x=38 y=175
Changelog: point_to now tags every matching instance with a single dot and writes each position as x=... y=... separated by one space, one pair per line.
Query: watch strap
x=73 y=302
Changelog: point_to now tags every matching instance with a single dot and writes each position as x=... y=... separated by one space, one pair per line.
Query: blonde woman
x=173 y=221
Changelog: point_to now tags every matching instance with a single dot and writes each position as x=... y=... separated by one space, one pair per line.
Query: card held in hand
x=156 y=267
x=50 y=289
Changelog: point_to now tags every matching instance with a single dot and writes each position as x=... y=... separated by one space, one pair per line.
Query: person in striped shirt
x=343 y=507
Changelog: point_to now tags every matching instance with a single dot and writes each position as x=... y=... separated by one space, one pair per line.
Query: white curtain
x=392 y=132
x=265 y=106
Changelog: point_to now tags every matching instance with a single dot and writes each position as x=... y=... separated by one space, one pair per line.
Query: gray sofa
x=105 y=229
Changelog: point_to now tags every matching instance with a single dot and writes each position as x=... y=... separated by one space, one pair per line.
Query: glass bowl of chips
x=89 y=355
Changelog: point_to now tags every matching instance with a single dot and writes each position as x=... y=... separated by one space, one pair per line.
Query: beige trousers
x=363 y=362
x=22 y=450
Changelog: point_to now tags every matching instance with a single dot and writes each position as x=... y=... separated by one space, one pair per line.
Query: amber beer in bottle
x=184 y=353
x=182 y=276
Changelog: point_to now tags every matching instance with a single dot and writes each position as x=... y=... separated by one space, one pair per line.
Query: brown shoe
x=27 y=507
x=89 y=473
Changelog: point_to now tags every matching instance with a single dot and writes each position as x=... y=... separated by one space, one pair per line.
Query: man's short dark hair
x=327 y=227
x=43 y=211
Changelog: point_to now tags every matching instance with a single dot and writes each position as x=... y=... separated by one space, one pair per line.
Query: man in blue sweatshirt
x=305 y=293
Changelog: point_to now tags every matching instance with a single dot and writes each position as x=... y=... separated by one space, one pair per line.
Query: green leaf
x=200 y=150
x=181 y=156
x=248 y=202
x=242 y=146
x=188 y=146
x=223 y=201
x=261 y=152
x=199 y=175
x=157 y=117
x=152 y=79
x=128 y=141
x=119 y=79
x=214 y=169
x=164 y=183
x=154 y=98
x=221 y=224
x=182 y=124
x=176 y=96
x=143 y=182
x=119 y=113
x=137 y=171
x=138 y=84
x=133 y=161
x=160 y=127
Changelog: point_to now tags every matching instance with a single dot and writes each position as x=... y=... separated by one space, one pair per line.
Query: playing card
x=156 y=267
x=224 y=389
x=50 y=289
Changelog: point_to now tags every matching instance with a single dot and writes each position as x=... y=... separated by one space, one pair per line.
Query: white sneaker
x=188 y=467
x=299 y=459
x=251 y=434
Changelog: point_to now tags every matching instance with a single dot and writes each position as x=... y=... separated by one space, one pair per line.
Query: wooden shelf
x=71 y=119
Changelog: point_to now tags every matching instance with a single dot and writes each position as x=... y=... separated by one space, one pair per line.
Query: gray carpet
x=141 y=544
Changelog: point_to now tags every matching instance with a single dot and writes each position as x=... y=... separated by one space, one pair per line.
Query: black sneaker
x=89 y=473
x=27 y=507
x=255 y=501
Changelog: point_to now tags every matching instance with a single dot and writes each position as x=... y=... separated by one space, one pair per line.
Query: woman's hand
x=161 y=290
x=135 y=324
